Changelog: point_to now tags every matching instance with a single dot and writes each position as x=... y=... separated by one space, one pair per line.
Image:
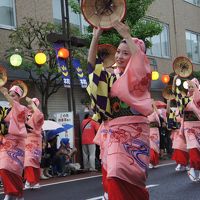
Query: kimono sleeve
x=196 y=98
x=38 y=119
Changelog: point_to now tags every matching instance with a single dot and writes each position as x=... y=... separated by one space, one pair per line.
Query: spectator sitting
x=64 y=156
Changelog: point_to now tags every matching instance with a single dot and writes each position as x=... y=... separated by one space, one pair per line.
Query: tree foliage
x=30 y=38
x=196 y=74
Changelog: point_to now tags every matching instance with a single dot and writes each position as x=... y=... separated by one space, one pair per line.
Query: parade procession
x=99 y=100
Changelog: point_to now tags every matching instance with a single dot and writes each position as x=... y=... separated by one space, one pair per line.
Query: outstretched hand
x=122 y=29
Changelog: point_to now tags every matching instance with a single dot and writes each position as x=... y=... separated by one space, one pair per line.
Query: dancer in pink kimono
x=122 y=102
x=33 y=148
x=154 y=137
x=180 y=152
x=191 y=126
x=13 y=145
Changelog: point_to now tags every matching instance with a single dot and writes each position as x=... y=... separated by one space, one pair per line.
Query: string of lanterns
x=40 y=57
x=165 y=78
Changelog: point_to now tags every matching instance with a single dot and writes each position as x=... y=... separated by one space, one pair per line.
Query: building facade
x=180 y=37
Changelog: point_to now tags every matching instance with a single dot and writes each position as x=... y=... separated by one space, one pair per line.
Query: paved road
x=163 y=184
x=172 y=185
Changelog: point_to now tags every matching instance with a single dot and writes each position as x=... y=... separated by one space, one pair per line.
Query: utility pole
x=68 y=42
x=66 y=33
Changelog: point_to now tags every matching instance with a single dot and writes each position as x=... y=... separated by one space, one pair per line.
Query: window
x=194 y=2
x=193 y=46
x=76 y=20
x=160 y=44
x=7 y=14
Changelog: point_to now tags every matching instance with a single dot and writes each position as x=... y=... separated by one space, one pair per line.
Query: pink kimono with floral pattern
x=33 y=149
x=192 y=128
x=13 y=144
x=178 y=137
x=125 y=148
x=124 y=141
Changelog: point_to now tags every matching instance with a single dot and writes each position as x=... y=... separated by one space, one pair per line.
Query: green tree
x=196 y=74
x=29 y=38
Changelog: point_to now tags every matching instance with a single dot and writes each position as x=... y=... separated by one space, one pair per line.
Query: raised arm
x=124 y=31
x=93 y=46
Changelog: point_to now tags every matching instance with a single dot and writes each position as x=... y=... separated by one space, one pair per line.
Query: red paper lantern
x=63 y=53
x=165 y=78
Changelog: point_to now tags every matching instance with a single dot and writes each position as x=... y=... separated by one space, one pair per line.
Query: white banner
x=65 y=118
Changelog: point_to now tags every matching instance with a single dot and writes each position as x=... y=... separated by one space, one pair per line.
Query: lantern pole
x=66 y=33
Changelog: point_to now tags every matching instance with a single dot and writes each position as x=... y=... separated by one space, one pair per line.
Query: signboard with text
x=66 y=119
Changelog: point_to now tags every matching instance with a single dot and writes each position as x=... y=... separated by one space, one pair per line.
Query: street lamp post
x=66 y=33
x=68 y=41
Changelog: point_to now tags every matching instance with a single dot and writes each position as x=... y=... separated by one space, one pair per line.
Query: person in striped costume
x=190 y=110
x=175 y=125
x=121 y=102
x=13 y=144
x=154 y=137
x=33 y=147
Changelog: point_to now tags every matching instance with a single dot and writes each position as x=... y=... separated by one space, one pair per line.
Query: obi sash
x=190 y=116
x=154 y=125
x=119 y=108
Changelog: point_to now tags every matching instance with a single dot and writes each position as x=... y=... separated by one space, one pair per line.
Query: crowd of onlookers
x=57 y=161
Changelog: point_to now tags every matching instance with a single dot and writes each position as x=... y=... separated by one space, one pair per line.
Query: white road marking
x=96 y=198
x=67 y=181
x=167 y=164
x=150 y=186
x=77 y=179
